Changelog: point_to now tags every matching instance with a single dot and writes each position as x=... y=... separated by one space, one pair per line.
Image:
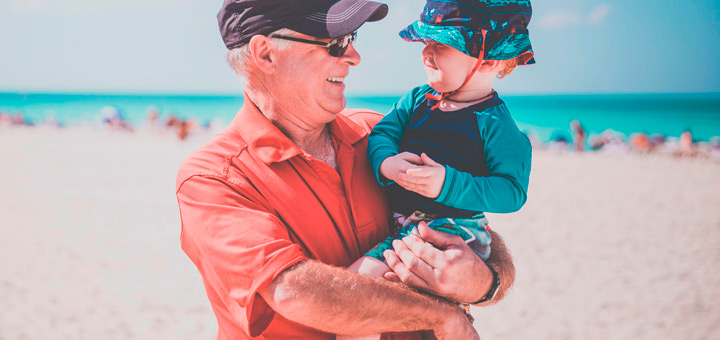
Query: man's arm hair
x=501 y=261
x=334 y=300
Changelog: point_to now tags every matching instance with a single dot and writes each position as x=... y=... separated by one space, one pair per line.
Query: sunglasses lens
x=340 y=46
x=336 y=50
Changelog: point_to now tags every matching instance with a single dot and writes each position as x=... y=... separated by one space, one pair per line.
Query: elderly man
x=275 y=207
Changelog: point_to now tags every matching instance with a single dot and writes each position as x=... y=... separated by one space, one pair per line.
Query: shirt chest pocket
x=371 y=221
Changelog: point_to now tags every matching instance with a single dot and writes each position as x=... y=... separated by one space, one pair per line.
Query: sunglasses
x=335 y=47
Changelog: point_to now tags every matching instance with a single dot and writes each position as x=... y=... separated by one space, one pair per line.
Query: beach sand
x=609 y=246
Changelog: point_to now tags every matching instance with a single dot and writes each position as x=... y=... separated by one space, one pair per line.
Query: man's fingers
x=397 y=266
x=434 y=257
x=411 y=261
x=402 y=271
x=438 y=238
x=391 y=276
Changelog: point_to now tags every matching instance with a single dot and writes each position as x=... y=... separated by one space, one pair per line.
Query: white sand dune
x=607 y=247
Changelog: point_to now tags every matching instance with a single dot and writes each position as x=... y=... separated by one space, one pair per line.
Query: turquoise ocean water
x=668 y=114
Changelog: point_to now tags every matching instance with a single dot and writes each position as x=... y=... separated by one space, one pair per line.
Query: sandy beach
x=609 y=246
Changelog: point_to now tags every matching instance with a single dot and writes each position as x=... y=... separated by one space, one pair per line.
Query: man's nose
x=351 y=56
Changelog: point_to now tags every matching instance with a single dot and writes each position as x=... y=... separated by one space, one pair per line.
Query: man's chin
x=335 y=107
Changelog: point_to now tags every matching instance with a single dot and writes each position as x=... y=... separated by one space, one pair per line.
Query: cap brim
x=453 y=36
x=341 y=18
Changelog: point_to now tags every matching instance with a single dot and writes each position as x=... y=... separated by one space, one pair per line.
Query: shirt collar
x=346 y=130
x=271 y=145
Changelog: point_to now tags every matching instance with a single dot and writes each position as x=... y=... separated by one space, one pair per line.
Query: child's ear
x=490 y=66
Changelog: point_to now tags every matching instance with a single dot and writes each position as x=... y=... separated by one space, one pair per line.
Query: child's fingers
x=422 y=189
x=428 y=161
x=419 y=172
x=417 y=180
x=405 y=166
x=411 y=157
x=410 y=186
x=406 y=184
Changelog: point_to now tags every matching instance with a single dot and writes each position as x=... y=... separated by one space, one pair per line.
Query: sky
x=173 y=47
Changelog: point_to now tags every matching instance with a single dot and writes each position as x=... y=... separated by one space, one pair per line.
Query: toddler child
x=449 y=151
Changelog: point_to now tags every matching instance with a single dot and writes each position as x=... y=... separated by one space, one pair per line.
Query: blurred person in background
x=579 y=135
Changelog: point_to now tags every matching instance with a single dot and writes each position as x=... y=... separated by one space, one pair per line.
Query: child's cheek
x=436 y=79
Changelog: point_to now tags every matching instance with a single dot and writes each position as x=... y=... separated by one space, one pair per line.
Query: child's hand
x=391 y=167
x=426 y=180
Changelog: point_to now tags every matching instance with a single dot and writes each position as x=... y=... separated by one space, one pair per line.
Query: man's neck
x=319 y=145
x=313 y=140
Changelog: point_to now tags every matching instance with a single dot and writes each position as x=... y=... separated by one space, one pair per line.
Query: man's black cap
x=240 y=20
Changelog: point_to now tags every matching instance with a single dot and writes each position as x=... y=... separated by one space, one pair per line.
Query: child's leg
x=474 y=231
x=370 y=266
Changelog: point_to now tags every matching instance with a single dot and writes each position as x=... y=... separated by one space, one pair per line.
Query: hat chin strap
x=441 y=96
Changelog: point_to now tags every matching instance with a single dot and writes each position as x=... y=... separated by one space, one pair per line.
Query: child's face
x=446 y=67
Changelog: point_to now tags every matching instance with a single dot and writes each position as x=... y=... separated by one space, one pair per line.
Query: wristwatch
x=493 y=289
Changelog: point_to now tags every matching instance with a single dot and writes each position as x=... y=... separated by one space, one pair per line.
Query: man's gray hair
x=239 y=58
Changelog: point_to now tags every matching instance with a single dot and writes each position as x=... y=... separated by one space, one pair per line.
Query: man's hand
x=391 y=167
x=449 y=269
x=426 y=180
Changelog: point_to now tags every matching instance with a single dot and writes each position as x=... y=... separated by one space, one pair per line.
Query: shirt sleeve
x=385 y=138
x=237 y=244
x=508 y=157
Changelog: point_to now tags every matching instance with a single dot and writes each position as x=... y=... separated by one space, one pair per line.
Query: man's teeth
x=336 y=80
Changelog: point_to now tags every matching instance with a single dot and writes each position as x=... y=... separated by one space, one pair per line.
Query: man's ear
x=489 y=65
x=263 y=53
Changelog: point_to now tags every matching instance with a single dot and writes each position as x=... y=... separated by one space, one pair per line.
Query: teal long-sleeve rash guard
x=487 y=159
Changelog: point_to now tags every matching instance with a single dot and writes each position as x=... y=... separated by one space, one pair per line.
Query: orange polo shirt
x=253 y=204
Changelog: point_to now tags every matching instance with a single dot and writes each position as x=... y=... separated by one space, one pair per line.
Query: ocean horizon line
x=543 y=114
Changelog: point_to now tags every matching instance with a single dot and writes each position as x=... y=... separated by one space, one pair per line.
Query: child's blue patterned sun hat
x=496 y=28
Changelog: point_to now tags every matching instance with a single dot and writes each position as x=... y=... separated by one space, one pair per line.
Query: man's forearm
x=337 y=301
